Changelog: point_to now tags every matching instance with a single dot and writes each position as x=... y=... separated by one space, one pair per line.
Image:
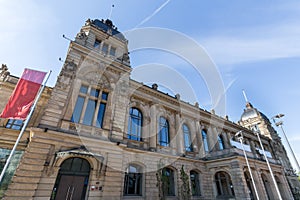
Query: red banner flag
x=23 y=96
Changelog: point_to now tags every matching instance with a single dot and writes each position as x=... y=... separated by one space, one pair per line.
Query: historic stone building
x=97 y=134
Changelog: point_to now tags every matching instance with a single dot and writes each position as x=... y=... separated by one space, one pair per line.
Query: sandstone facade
x=86 y=140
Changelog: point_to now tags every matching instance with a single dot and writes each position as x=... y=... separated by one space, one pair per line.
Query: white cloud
x=255 y=44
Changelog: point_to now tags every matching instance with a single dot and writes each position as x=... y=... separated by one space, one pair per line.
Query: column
x=153 y=128
x=179 y=136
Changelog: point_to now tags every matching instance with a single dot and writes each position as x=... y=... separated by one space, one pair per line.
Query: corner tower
x=96 y=71
x=255 y=120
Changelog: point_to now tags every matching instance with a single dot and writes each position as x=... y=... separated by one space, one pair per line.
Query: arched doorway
x=72 y=180
x=267 y=186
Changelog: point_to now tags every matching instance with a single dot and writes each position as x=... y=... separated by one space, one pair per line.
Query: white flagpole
x=23 y=128
x=270 y=169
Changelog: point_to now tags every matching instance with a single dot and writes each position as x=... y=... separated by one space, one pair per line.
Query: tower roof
x=108 y=26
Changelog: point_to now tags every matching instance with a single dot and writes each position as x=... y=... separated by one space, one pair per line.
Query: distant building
x=97 y=134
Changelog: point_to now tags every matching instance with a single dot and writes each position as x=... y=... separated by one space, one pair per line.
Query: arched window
x=205 y=142
x=224 y=185
x=168 y=183
x=133 y=182
x=164 y=137
x=135 y=123
x=221 y=142
x=187 y=138
x=195 y=183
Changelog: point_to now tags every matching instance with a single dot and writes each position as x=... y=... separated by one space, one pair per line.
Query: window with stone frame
x=90 y=106
x=112 y=51
x=163 y=132
x=221 y=142
x=195 y=183
x=135 y=123
x=97 y=44
x=168 y=184
x=133 y=181
x=224 y=185
x=205 y=141
x=15 y=124
x=105 y=48
x=188 y=146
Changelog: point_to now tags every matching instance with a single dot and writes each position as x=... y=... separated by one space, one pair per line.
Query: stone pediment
x=82 y=151
x=60 y=156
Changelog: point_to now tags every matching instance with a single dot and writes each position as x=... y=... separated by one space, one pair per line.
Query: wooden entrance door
x=72 y=180
x=71 y=188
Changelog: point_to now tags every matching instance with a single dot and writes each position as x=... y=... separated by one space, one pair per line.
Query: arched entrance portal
x=72 y=180
x=267 y=186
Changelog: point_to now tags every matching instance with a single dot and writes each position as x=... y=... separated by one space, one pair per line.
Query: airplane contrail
x=154 y=13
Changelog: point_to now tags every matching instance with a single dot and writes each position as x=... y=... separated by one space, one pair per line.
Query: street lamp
x=257 y=132
x=280 y=123
x=239 y=136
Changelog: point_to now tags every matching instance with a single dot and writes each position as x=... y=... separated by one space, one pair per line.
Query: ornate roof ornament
x=4 y=72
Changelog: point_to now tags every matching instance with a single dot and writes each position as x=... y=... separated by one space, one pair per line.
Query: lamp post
x=280 y=123
x=239 y=136
x=257 y=132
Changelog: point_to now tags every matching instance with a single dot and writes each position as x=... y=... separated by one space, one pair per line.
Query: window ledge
x=84 y=129
x=136 y=197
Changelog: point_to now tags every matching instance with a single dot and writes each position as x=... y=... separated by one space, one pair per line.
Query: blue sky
x=255 y=45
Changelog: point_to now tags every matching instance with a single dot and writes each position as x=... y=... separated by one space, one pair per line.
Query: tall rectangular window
x=204 y=140
x=112 y=51
x=164 y=137
x=135 y=124
x=187 y=138
x=90 y=107
x=195 y=183
x=100 y=116
x=90 y=111
x=105 y=48
x=78 y=109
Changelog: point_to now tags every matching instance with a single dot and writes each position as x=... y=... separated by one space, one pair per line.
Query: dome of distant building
x=251 y=112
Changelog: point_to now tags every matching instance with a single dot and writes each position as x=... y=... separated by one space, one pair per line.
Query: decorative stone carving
x=125 y=57
x=81 y=37
x=70 y=65
x=97 y=79
x=88 y=22
x=4 y=72
x=109 y=31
